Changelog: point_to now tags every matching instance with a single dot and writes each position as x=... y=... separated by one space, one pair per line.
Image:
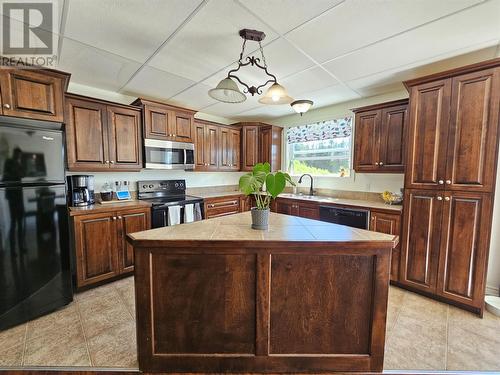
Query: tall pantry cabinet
x=451 y=164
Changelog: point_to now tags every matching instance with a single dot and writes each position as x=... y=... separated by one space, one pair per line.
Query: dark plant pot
x=106 y=195
x=260 y=218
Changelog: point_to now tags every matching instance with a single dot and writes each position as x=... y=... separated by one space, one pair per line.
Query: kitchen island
x=303 y=296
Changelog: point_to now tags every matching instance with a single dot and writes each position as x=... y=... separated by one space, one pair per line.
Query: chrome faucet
x=311 y=191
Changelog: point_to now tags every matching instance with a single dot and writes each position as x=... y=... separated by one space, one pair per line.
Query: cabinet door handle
x=381 y=163
x=446 y=199
x=448 y=182
x=119 y=217
x=440 y=182
x=439 y=198
x=6 y=106
x=114 y=218
x=376 y=163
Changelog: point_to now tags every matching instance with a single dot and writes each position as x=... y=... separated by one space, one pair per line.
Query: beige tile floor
x=98 y=329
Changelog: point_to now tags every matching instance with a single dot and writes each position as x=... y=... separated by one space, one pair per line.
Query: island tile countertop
x=98 y=207
x=208 y=194
x=281 y=228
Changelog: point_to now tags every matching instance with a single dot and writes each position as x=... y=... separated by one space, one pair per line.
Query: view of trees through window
x=322 y=157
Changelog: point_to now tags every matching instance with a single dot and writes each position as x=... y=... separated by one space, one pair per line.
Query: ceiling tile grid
x=328 y=51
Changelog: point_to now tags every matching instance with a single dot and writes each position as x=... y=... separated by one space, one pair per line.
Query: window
x=321 y=149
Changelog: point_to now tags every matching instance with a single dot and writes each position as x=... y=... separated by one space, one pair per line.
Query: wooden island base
x=217 y=296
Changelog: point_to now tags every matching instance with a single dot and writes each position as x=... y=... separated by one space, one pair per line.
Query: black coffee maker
x=80 y=190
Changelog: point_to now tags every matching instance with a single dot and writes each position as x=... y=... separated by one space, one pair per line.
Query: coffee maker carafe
x=80 y=190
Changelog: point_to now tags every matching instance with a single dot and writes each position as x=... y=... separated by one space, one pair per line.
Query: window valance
x=319 y=131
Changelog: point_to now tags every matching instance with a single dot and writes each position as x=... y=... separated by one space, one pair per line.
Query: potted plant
x=253 y=183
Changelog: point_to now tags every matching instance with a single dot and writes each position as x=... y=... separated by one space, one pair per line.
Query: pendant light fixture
x=227 y=90
x=302 y=106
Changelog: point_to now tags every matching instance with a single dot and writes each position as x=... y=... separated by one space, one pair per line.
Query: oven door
x=168 y=155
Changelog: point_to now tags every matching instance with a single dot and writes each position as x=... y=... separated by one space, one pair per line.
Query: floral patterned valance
x=319 y=131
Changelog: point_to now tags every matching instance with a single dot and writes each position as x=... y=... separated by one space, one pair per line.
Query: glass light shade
x=227 y=91
x=301 y=106
x=276 y=94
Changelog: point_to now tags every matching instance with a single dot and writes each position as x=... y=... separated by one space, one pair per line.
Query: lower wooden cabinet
x=390 y=223
x=222 y=206
x=445 y=245
x=100 y=246
x=297 y=208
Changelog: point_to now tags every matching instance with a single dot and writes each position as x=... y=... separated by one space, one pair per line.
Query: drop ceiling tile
x=463 y=30
x=391 y=80
x=310 y=80
x=195 y=97
x=265 y=112
x=130 y=28
x=232 y=109
x=357 y=23
x=297 y=11
x=156 y=84
x=331 y=95
x=209 y=42
x=93 y=67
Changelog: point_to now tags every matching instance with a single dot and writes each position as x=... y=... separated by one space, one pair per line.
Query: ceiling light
x=227 y=90
x=302 y=106
x=276 y=94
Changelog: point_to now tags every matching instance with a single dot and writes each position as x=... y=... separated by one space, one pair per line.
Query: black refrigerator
x=35 y=274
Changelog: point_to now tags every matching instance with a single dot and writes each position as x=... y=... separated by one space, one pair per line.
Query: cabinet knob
x=6 y=106
x=119 y=217
x=381 y=163
x=439 y=198
x=376 y=163
x=114 y=217
x=448 y=182
x=440 y=182
x=112 y=162
x=107 y=161
x=446 y=199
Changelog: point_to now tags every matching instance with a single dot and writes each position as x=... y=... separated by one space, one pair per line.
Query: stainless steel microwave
x=168 y=155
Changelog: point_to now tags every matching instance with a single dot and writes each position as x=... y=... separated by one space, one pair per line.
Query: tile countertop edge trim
x=98 y=208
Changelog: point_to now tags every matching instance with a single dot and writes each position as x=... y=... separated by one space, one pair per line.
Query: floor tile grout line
x=80 y=319
x=25 y=343
x=122 y=298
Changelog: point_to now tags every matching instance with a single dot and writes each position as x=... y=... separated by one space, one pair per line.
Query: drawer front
x=216 y=208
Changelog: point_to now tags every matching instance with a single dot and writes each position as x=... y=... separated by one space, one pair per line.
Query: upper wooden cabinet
x=260 y=143
x=379 y=137
x=101 y=135
x=166 y=122
x=453 y=130
x=33 y=93
x=217 y=147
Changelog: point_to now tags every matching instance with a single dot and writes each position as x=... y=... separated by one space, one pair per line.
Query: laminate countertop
x=97 y=208
x=281 y=228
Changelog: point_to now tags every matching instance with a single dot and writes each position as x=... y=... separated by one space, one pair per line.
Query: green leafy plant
x=253 y=183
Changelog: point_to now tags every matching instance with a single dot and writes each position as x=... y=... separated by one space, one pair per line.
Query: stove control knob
x=182 y=184
x=176 y=184
x=151 y=186
x=144 y=186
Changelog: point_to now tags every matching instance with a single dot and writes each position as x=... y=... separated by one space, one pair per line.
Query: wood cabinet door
x=428 y=135
x=212 y=144
x=182 y=126
x=265 y=144
x=96 y=248
x=235 y=136
x=199 y=147
x=86 y=135
x=130 y=221
x=225 y=149
x=392 y=138
x=366 y=141
x=158 y=123
x=473 y=135
x=124 y=136
x=421 y=234
x=285 y=207
x=390 y=224
x=464 y=247
x=309 y=211
x=250 y=147
x=32 y=94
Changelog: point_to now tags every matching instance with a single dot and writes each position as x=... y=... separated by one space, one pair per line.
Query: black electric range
x=163 y=194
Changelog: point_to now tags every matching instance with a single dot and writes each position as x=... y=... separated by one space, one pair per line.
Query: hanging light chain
x=242 y=51
x=262 y=54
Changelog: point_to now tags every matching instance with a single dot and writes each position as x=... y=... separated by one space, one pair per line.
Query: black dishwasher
x=357 y=218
